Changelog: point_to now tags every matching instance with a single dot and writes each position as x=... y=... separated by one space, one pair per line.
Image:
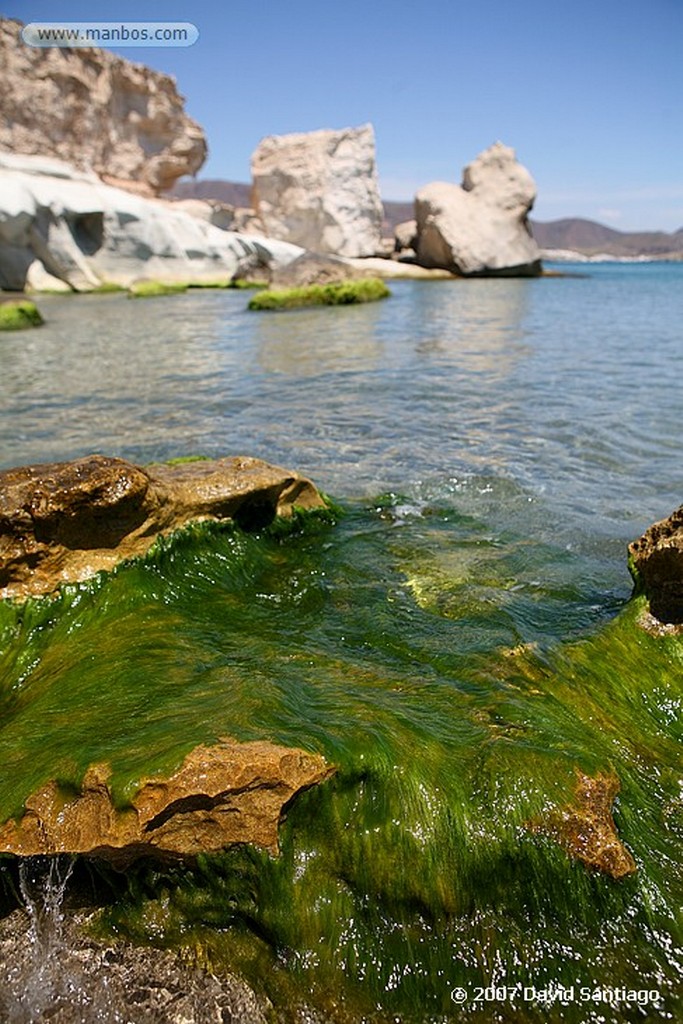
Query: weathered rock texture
x=480 y=227
x=319 y=190
x=221 y=795
x=586 y=828
x=65 y=521
x=63 y=228
x=656 y=562
x=95 y=110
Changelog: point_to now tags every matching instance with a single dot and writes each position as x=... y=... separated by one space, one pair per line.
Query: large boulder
x=480 y=227
x=319 y=190
x=64 y=227
x=221 y=795
x=95 y=110
x=656 y=563
x=65 y=521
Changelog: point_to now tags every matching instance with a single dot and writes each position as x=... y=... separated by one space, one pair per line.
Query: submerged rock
x=63 y=522
x=221 y=795
x=586 y=829
x=656 y=563
x=480 y=227
x=320 y=190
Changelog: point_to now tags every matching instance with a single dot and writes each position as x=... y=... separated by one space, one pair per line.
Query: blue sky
x=588 y=92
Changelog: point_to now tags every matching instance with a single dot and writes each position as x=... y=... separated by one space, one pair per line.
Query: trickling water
x=48 y=982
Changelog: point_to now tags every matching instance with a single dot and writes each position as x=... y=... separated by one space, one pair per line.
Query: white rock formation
x=60 y=223
x=96 y=111
x=319 y=190
x=480 y=227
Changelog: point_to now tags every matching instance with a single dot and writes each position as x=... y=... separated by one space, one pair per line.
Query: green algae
x=342 y=293
x=152 y=289
x=18 y=315
x=454 y=722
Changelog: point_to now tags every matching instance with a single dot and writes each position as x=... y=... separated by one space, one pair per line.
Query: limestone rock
x=221 y=795
x=586 y=828
x=319 y=190
x=480 y=227
x=656 y=562
x=65 y=521
x=96 y=111
x=60 y=223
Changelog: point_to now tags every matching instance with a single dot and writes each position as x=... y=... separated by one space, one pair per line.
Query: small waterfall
x=43 y=977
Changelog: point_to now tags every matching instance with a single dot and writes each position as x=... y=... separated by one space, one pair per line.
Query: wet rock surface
x=63 y=522
x=53 y=970
x=656 y=563
x=586 y=828
x=221 y=795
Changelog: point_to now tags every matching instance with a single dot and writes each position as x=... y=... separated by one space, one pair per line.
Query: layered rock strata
x=96 y=111
x=63 y=522
x=656 y=563
x=480 y=227
x=221 y=795
x=319 y=190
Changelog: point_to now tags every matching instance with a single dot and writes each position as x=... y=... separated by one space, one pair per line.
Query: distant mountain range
x=574 y=233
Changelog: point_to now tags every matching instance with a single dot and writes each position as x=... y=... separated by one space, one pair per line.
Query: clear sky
x=588 y=92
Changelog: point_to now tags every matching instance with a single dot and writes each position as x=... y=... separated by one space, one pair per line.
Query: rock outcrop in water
x=480 y=227
x=95 y=110
x=63 y=229
x=221 y=795
x=586 y=829
x=65 y=521
x=319 y=190
x=656 y=563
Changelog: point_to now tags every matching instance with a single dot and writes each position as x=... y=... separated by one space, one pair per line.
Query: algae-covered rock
x=16 y=315
x=221 y=795
x=65 y=521
x=341 y=293
x=656 y=564
x=150 y=289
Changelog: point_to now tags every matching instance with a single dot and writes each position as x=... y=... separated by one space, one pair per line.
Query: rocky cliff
x=96 y=111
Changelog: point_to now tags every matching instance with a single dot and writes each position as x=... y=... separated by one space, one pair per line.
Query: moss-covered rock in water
x=15 y=316
x=340 y=293
x=150 y=289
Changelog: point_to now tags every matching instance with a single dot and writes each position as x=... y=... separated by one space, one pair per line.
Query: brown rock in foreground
x=62 y=522
x=656 y=562
x=221 y=795
x=586 y=828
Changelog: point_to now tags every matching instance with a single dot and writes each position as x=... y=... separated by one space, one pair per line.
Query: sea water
x=460 y=644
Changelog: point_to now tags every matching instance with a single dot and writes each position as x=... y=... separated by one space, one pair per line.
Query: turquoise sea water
x=460 y=643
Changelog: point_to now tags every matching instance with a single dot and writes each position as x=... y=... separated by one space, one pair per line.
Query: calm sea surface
x=459 y=644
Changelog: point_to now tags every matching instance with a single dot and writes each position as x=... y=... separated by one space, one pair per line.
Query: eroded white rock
x=480 y=227
x=85 y=233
